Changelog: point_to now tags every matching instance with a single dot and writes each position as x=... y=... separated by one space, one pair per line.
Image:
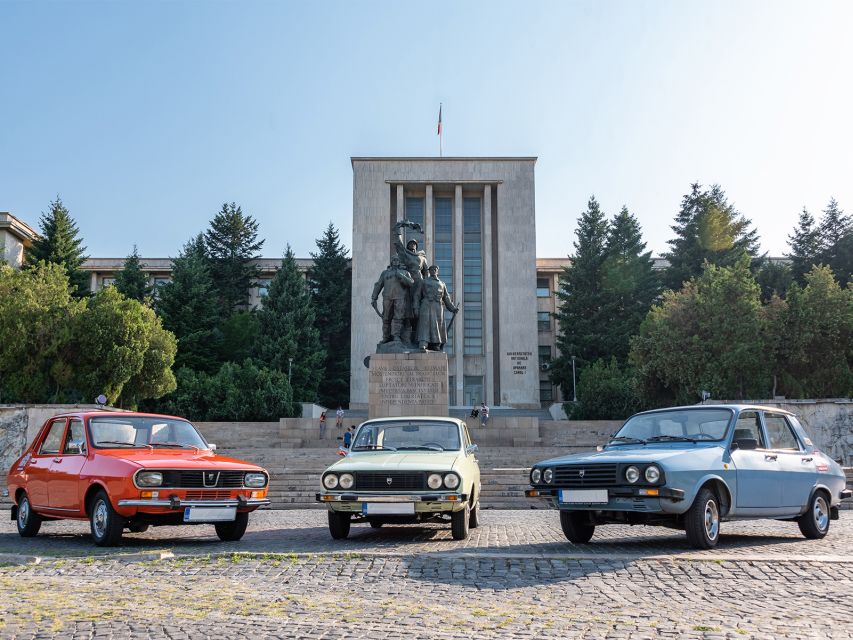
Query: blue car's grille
x=390 y=481
x=585 y=475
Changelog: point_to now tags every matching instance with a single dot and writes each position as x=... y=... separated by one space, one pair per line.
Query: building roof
x=444 y=158
x=17 y=227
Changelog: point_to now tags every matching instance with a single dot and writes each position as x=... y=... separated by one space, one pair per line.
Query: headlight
x=632 y=474
x=434 y=481
x=652 y=474
x=346 y=481
x=149 y=478
x=535 y=476
x=451 y=481
x=330 y=481
x=548 y=475
x=255 y=480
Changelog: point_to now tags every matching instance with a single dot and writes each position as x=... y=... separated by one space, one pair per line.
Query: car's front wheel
x=459 y=522
x=576 y=526
x=474 y=519
x=29 y=522
x=702 y=520
x=234 y=530
x=106 y=524
x=814 y=523
x=339 y=524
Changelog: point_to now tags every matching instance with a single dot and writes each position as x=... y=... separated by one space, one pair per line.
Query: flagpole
x=440 y=134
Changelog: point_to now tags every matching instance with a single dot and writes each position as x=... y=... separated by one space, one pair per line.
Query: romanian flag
x=439 y=120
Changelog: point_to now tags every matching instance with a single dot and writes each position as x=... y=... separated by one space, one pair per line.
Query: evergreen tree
x=189 y=308
x=774 y=278
x=580 y=330
x=131 y=281
x=834 y=231
x=707 y=229
x=287 y=331
x=232 y=245
x=59 y=243
x=805 y=246
x=330 y=281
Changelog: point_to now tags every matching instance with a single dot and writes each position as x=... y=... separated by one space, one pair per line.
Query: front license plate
x=583 y=496
x=388 y=508
x=210 y=514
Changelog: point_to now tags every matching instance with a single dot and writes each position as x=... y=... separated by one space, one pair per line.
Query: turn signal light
x=149 y=494
x=649 y=492
x=259 y=494
x=327 y=498
x=452 y=497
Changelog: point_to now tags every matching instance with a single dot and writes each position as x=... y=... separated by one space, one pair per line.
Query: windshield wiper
x=121 y=444
x=435 y=447
x=173 y=444
x=667 y=438
x=627 y=440
x=373 y=446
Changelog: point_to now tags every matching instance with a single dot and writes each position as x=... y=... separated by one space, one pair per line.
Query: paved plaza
x=516 y=576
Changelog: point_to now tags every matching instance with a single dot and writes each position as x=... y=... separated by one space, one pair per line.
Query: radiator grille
x=399 y=481
x=208 y=495
x=202 y=479
x=585 y=475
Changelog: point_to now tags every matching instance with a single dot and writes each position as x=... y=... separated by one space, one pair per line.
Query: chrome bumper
x=450 y=498
x=180 y=504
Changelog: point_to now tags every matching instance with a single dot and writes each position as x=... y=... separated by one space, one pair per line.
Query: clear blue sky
x=147 y=116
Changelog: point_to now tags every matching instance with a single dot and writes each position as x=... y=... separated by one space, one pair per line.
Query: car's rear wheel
x=234 y=530
x=702 y=520
x=460 y=521
x=339 y=524
x=375 y=524
x=29 y=522
x=138 y=527
x=576 y=526
x=814 y=523
x=106 y=524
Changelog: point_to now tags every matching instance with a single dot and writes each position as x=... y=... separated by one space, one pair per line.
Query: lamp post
x=574 y=384
x=289 y=368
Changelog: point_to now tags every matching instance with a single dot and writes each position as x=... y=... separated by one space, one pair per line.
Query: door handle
x=770 y=457
x=57 y=460
x=808 y=459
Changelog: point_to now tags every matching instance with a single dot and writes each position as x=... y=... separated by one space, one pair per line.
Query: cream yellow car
x=402 y=471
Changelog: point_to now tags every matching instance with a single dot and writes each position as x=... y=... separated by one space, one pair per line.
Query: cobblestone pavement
x=516 y=577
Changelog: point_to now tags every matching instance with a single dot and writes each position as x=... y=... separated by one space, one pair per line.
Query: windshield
x=139 y=431
x=407 y=436
x=676 y=425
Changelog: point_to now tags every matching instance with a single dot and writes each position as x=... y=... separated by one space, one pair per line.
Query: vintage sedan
x=692 y=468
x=405 y=470
x=123 y=470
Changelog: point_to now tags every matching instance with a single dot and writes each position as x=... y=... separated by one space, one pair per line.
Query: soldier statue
x=415 y=263
x=394 y=283
x=431 y=302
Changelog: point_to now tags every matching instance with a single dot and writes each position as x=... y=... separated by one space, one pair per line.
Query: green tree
x=606 y=391
x=239 y=334
x=60 y=243
x=834 y=234
x=707 y=229
x=189 y=307
x=155 y=378
x=287 y=331
x=774 y=278
x=805 y=246
x=709 y=336
x=330 y=282
x=131 y=281
x=232 y=247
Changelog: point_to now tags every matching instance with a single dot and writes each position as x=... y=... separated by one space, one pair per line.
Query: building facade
x=15 y=236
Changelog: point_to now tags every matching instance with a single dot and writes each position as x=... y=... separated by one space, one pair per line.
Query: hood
x=389 y=461
x=641 y=454
x=176 y=459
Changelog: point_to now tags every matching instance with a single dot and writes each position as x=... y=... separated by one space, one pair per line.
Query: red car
x=127 y=470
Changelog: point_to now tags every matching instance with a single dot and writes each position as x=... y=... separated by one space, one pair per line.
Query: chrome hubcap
x=821 y=513
x=23 y=513
x=99 y=519
x=712 y=520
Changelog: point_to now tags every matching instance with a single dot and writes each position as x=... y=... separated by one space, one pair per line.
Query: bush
x=606 y=391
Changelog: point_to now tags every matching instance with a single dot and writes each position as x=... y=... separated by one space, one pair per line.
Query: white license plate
x=388 y=508
x=583 y=496
x=210 y=514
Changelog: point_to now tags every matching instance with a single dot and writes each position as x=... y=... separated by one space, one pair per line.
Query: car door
x=38 y=466
x=758 y=486
x=797 y=469
x=65 y=468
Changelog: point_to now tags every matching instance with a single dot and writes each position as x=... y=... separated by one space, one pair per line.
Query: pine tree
x=330 y=281
x=131 y=281
x=805 y=246
x=288 y=333
x=232 y=246
x=707 y=228
x=833 y=233
x=189 y=308
x=60 y=243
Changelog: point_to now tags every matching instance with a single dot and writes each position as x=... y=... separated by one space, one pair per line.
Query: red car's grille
x=208 y=495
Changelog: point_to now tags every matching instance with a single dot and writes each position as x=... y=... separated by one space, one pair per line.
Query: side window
x=53 y=440
x=749 y=427
x=75 y=434
x=779 y=433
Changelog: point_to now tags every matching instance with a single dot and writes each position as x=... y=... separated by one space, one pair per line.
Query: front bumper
x=552 y=494
x=177 y=503
x=424 y=503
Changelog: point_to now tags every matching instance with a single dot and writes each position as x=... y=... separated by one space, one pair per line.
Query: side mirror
x=745 y=443
x=211 y=446
x=75 y=448
x=472 y=448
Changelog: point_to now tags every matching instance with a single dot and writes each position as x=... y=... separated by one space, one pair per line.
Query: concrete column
x=93 y=282
x=458 y=287
x=429 y=226
x=401 y=204
x=488 y=333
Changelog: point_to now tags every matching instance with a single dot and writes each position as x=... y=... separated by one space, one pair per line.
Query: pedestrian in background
x=348 y=436
x=322 y=425
x=339 y=422
x=484 y=414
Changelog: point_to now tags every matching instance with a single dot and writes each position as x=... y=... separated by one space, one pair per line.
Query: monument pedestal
x=408 y=384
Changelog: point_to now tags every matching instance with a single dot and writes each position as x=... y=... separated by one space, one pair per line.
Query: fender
x=818 y=487
x=727 y=501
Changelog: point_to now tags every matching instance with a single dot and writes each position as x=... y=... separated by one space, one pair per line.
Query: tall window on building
x=451 y=390
x=546 y=391
x=472 y=275
x=543 y=320
x=472 y=390
x=415 y=213
x=544 y=356
x=543 y=288
x=443 y=248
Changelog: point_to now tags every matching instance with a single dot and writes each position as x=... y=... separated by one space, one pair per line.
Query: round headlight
x=632 y=474
x=548 y=475
x=535 y=476
x=330 y=481
x=346 y=481
x=451 y=481
x=255 y=480
x=149 y=478
x=652 y=474
x=434 y=481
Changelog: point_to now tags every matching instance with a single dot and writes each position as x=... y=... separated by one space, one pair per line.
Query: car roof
x=421 y=418
x=113 y=414
x=731 y=406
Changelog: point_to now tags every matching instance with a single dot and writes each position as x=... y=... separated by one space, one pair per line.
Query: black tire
x=474 y=518
x=459 y=522
x=702 y=520
x=138 y=527
x=339 y=524
x=29 y=522
x=106 y=525
x=375 y=524
x=814 y=523
x=234 y=530
x=576 y=526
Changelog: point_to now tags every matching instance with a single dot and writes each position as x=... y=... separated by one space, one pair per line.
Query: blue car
x=692 y=468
